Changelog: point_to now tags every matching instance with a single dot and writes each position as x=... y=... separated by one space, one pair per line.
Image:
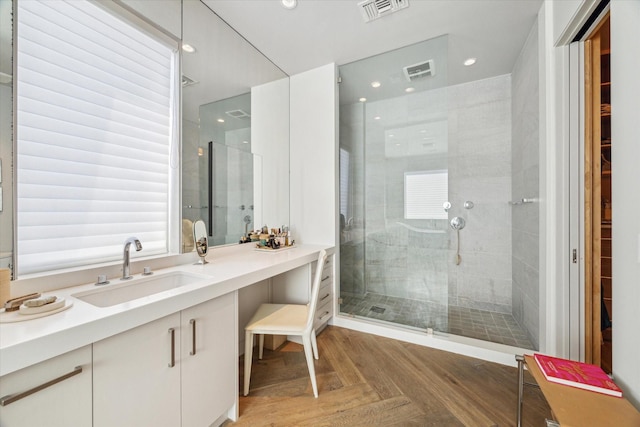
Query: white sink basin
x=119 y=292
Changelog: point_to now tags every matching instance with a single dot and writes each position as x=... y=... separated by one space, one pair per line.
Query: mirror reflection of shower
x=226 y=124
x=247 y=221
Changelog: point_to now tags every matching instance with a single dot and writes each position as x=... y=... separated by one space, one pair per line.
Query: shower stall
x=434 y=233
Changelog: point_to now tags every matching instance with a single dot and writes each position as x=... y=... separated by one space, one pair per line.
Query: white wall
x=625 y=104
x=270 y=140
x=313 y=156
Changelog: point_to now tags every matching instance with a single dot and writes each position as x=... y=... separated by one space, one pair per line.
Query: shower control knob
x=446 y=206
x=457 y=223
x=468 y=205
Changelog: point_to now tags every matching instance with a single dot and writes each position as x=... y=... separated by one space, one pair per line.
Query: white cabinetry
x=134 y=382
x=324 y=309
x=210 y=373
x=151 y=375
x=61 y=393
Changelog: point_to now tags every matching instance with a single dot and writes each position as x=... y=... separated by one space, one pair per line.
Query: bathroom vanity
x=166 y=358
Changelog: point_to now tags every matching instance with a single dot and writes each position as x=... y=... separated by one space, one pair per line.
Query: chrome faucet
x=125 y=257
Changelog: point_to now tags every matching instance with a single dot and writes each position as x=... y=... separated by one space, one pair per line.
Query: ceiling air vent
x=238 y=114
x=374 y=9
x=419 y=70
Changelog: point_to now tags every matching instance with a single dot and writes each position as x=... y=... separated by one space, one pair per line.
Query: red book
x=577 y=374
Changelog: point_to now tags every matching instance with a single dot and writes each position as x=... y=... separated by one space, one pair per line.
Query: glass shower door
x=394 y=185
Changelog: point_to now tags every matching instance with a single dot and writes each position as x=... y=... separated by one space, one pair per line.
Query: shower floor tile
x=500 y=328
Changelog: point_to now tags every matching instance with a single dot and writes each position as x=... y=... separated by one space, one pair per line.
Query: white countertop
x=32 y=341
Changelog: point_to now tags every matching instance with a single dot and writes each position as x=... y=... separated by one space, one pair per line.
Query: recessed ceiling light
x=409 y=89
x=375 y=84
x=245 y=142
x=363 y=100
x=188 y=48
x=220 y=120
x=469 y=61
x=376 y=118
x=289 y=4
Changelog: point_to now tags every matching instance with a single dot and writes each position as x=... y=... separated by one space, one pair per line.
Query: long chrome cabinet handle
x=193 y=337
x=325 y=297
x=6 y=400
x=325 y=278
x=172 y=361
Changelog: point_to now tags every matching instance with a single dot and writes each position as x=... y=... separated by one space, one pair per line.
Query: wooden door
x=598 y=200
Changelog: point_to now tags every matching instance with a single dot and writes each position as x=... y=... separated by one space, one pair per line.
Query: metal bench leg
x=520 y=360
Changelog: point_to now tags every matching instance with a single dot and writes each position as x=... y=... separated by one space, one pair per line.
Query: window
x=96 y=135
x=425 y=193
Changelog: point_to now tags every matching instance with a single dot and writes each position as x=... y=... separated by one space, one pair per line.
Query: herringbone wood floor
x=365 y=380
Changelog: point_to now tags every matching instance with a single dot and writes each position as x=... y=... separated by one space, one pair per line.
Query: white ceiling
x=318 y=32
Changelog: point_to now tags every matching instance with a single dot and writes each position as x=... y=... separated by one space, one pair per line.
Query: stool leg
x=308 y=353
x=248 y=354
x=260 y=345
x=314 y=344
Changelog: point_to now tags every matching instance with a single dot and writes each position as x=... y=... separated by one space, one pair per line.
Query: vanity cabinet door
x=209 y=361
x=61 y=393
x=136 y=376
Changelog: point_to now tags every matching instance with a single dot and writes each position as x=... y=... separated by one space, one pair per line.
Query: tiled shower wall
x=525 y=164
x=480 y=172
x=403 y=262
x=404 y=258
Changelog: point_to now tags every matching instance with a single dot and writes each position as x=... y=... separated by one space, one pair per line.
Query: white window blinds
x=425 y=193
x=95 y=123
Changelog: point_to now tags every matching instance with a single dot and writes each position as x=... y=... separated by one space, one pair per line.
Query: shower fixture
x=523 y=201
x=446 y=206
x=457 y=223
x=468 y=205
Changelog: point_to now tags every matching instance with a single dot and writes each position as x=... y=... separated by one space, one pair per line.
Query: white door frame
x=576 y=299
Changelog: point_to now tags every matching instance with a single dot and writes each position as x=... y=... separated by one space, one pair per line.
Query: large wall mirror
x=235 y=146
x=6 y=152
x=235 y=174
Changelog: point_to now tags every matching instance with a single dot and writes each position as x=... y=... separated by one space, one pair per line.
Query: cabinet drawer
x=56 y=392
x=325 y=293
x=323 y=314
x=327 y=267
x=326 y=277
